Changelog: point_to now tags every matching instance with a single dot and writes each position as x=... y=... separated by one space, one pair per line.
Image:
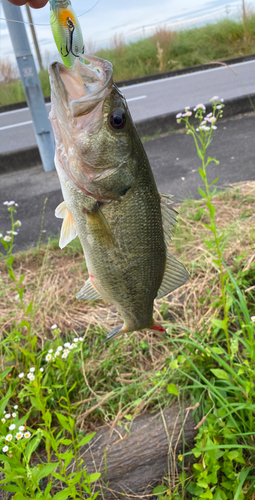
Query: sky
x=130 y=19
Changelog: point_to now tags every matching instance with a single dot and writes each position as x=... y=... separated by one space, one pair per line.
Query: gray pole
x=38 y=54
x=31 y=84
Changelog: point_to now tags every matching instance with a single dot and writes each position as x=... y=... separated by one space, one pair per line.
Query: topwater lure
x=66 y=31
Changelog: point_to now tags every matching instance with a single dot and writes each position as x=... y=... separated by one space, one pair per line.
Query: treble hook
x=69 y=49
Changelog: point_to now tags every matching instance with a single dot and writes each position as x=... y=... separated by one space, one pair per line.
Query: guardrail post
x=31 y=84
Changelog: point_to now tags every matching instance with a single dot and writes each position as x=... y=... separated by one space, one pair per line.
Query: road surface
x=174 y=163
x=149 y=99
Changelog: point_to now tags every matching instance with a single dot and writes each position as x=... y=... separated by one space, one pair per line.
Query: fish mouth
x=82 y=87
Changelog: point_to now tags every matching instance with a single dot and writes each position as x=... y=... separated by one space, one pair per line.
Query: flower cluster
x=31 y=373
x=207 y=123
x=18 y=433
x=63 y=351
x=9 y=234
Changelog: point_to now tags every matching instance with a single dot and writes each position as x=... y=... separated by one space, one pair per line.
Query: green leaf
x=29 y=308
x=32 y=445
x=36 y=403
x=45 y=470
x=94 y=477
x=172 y=389
x=64 y=421
x=86 y=439
x=207 y=494
x=62 y=495
x=242 y=477
x=203 y=194
x=220 y=374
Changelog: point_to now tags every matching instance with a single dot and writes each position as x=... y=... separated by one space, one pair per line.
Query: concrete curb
x=30 y=157
x=149 y=78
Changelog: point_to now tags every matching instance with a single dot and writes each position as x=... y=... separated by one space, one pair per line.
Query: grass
x=133 y=373
x=164 y=51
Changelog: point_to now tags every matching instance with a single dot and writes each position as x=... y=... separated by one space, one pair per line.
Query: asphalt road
x=149 y=99
x=174 y=163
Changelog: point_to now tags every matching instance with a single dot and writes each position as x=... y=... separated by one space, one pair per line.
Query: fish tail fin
x=157 y=327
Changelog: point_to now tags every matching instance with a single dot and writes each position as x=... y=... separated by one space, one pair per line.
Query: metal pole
x=38 y=53
x=31 y=84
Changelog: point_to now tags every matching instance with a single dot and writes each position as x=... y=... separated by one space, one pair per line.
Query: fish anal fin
x=68 y=231
x=88 y=292
x=175 y=275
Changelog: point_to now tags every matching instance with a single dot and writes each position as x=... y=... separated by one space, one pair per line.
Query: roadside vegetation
x=166 y=50
x=59 y=382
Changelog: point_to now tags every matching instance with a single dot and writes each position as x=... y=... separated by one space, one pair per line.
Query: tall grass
x=164 y=51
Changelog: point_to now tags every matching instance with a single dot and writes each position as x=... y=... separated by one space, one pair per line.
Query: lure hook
x=69 y=49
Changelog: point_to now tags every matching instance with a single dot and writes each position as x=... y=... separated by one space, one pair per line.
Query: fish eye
x=118 y=119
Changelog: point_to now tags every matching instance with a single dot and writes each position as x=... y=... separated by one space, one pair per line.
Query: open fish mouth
x=83 y=86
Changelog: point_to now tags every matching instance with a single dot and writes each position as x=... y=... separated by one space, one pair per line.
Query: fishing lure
x=66 y=31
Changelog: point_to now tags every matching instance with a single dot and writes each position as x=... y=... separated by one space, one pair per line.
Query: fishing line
x=48 y=24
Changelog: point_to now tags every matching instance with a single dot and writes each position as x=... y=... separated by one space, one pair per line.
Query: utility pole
x=244 y=13
x=31 y=84
x=38 y=53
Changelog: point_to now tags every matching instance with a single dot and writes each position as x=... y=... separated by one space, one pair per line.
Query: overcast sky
x=131 y=18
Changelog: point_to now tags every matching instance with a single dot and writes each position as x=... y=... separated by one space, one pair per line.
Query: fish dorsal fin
x=68 y=231
x=168 y=216
x=175 y=275
x=88 y=292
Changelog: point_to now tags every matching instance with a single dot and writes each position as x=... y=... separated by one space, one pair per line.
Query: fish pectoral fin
x=60 y=211
x=88 y=292
x=113 y=184
x=168 y=216
x=175 y=275
x=68 y=231
x=99 y=228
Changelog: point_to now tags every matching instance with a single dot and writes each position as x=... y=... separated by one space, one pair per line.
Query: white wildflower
x=179 y=115
x=81 y=339
x=209 y=115
x=32 y=369
x=188 y=113
x=3 y=420
x=1 y=235
x=16 y=204
x=7 y=238
x=76 y=340
x=21 y=428
x=214 y=127
x=187 y=108
x=253 y=319
x=7 y=415
x=212 y=119
x=17 y=223
x=42 y=370
x=72 y=346
x=6 y=203
x=219 y=106
x=12 y=427
x=199 y=106
x=215 y=98
x=53 y=327
x=15 y=407
x=32 y=377
x=11 y=203
x=21 y=375
x=65 y=354
x=19 y=435
x=8 y=437
x=29 y=375
x=50 y=351
x=5 y=449
x=60 y=348
x=14 y=415
x=67 y=344
x=222 y=100
x=48 y=357
x=27 y=434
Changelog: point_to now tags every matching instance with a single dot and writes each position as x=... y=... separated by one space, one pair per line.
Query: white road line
x=16 y=125
x=136 y=98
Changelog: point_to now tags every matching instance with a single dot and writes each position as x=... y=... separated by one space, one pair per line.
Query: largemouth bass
x=110 y=197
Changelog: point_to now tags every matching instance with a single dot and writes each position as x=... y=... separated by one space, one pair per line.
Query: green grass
x=164 y=51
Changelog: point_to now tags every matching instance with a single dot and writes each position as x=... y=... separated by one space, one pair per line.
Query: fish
x=110 y=196
x=66 y=31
